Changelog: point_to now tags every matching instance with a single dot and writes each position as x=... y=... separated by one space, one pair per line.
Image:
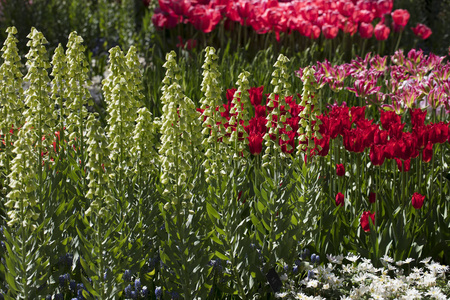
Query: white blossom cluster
x=179 y=130
x=309 y=115
x=281 y=89
x=212 y=124
x=122 y=90
x=241 y=102
x=360 y=279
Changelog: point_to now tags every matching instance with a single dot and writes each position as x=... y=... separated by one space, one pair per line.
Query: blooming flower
x=364 y=221
x=381 y=32
x=417 y=200
x=339 y=199
x=422 y=31
x=340 y=170
x=372 y=197
x=400 y=17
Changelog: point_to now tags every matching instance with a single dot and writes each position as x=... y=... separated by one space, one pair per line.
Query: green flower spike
x=213 y=122
x=144 y=144
x=39 y=114
x=59 y=86
x=179 y=126
x=122 y=94
x=11 y=97
x=241 y=102
x=281 y=85
x=78 y=95
x=98 y=167
x=306 y=131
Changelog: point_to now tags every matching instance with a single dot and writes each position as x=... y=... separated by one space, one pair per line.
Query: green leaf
x=221 y=256
x=212 y=212
x=216 y=239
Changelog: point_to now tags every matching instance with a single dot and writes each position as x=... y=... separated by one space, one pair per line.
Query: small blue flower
x=295 y=269
x=311 y=274
x=59 y=297
x=73 y=285
x=313 y=258
x=62 y=280
x=144 y=291
x=137 y=284
x=128 y=290
x=134 y=295
x=158 y=292
x=126 y=275
x=317 y=259
x=298 y=262
x=175 y=295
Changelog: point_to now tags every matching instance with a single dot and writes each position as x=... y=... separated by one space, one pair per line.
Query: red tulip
x=381 y=32
x=255 y=142
x=372 y=197
x=389 y=118
x=364 y=221
x=417 y=117
x=366 y=30
x=204 y=19
x=330 y=31
x=377 y=155
x=417 y=200
x=346 y=8
x=315 y=32
x=427 y=153
x=422 y=31
x=400 y=17
x=340 y=199
x=163 y=20
x=340 y=170
x=403 y=165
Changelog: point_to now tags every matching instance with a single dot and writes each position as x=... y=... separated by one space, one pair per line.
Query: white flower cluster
x=11 y=102
x=362 y=280
x=281 y=89
x=241 y=102
x=213 y=127
x=309 y=115
x=78 y=94
x=122 y=90
x=179 y=131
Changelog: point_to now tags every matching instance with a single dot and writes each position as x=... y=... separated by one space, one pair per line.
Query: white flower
x=351 y=257
x=436 y=293
x=411 y=294
x=409 y=260
x=426 y=260
x=312 y=283
x=335 y=259
x=281 y=295
x=387 y=259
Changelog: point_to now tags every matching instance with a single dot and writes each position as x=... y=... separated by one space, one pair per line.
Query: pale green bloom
x=241 y=109
x=281 y=85
x=77 y=93
x=212 y=121
x=122 y=91
x=308 y=116
x=98 y=166
x=11 y=95
x=144 y=144
x=179 y=126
